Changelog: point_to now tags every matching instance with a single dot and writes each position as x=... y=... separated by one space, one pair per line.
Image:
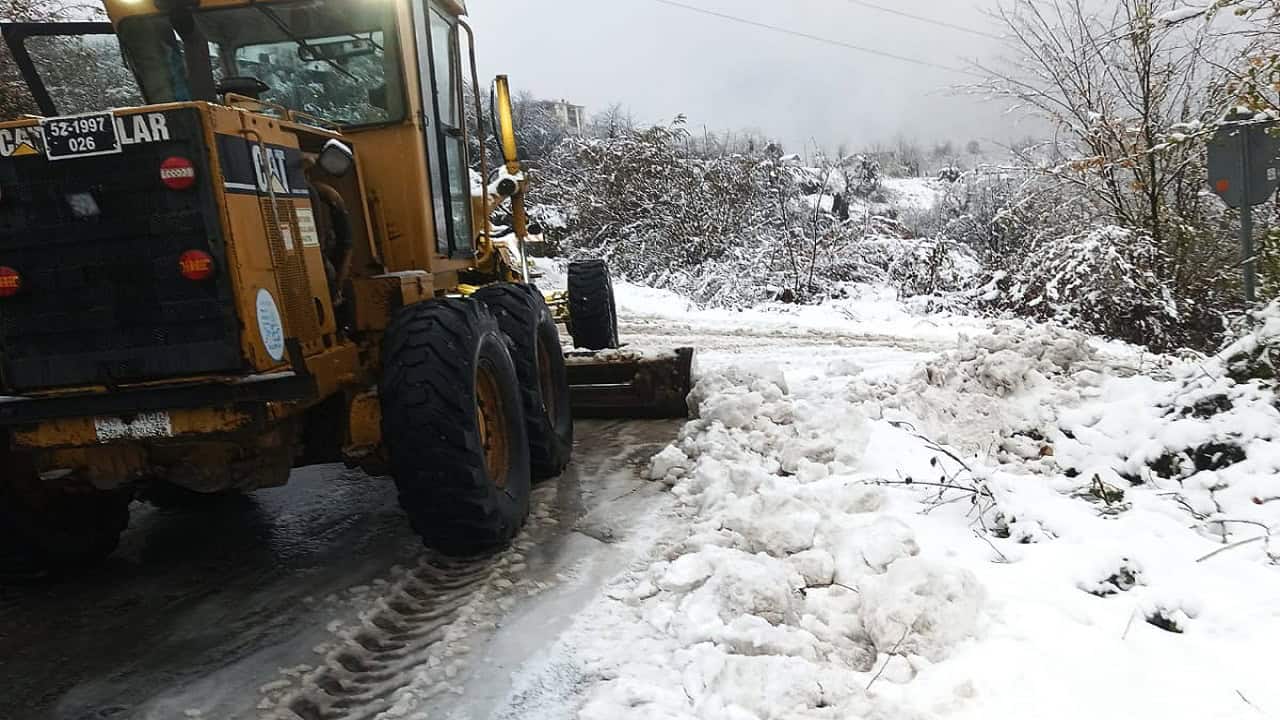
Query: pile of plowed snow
x=1025 y=526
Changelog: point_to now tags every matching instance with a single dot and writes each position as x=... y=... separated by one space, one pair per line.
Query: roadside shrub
x=1103 y=280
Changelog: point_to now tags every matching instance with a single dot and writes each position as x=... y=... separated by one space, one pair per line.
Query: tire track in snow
x=381 y=656
x=410 y=640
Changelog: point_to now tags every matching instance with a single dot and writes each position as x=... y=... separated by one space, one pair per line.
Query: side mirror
x=336 y=159
x=504 y=119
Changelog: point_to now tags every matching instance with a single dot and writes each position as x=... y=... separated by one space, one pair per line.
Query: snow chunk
x=843 y=366
x=733 y=410
x=764 y=378
x=669 y=465
x=1010 y=360
x=922 y=607
x=873 y=548
x=1182 y=14
x=686 y=573
x=743 y=584
x=775 y=524
x=817 y=567
x=766 y=687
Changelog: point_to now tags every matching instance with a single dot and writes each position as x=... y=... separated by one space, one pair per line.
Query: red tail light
x=10 y=281
x=177 y=173
x=196 y=265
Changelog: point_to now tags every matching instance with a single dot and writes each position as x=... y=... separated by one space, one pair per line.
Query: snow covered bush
x=728 y=229
x=933 y=266
x=999 y=212
x=1103 y=280
x=734 y=225
x=659 y=213
x=1204 y=441
x=1256 y=354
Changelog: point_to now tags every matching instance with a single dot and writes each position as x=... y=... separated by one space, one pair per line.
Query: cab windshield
x=332 y=59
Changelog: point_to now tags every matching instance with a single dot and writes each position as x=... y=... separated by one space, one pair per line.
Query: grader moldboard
x=280 y=258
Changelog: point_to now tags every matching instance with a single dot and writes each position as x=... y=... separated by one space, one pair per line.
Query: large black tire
x=453 y=425
x=593 y=314
x=523 y=315
x=45 y=528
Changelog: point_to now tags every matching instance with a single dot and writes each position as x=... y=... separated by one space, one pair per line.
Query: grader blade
x=630 y=384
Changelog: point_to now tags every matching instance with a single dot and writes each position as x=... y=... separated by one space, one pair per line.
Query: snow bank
x=1023 y=526
x=795 y=571
x=991 y=387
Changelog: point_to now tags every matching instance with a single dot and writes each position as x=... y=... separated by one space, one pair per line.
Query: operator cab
x=333 y=60
x=372 y=69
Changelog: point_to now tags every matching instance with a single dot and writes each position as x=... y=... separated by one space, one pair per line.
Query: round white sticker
x=269 y=325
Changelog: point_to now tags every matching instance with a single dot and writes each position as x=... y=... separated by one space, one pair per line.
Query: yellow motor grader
x=281 y=255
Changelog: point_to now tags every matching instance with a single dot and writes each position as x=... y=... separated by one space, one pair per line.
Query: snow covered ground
x=914 y=193
x=885 y=515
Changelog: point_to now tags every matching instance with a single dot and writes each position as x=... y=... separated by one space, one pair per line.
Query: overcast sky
x=661 y=60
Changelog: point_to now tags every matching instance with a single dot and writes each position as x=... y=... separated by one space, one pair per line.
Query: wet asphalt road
x=202 y=608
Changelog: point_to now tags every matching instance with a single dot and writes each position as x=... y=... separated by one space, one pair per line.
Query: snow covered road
x=309 y=601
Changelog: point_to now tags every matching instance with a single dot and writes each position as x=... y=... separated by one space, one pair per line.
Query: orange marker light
x=10 y=281
x=196 y=265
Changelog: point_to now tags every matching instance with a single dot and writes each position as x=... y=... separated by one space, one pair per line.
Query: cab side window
x=450 y=134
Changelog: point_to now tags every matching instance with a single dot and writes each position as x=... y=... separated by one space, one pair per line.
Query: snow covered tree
x=657 y=211
x=1128 y=101
x=862 y=175
x=1255 y=77
x=537 y=128
x=612 y=122
x=1129 y=97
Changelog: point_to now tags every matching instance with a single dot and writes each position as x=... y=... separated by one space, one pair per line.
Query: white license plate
x=134 y=427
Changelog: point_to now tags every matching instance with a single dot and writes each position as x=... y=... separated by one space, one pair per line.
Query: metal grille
x=291 y=270
x=103 y=301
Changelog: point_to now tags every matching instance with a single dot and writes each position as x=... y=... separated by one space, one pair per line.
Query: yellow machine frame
x=268 y=243
x=396 y=261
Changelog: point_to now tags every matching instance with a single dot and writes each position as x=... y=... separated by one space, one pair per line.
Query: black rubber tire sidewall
x=524 y=317
x=431 y=355
x=68 y=530
x=592 y=307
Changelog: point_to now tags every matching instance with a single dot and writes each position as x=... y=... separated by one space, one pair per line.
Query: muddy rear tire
x=593 y=313
x=453 y=425
x=524 y=317
x=51 y=528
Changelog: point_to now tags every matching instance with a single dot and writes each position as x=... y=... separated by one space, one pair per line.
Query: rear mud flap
x=630 y=384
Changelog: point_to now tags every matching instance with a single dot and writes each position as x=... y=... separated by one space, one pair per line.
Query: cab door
x=445 y=128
